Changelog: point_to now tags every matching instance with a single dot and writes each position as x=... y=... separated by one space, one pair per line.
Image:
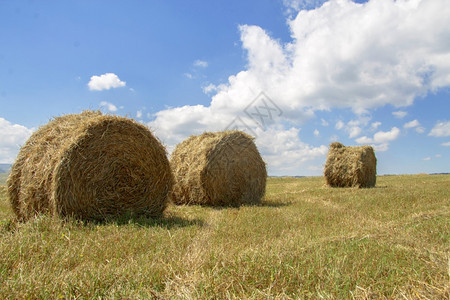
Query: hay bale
x=218 y=169
x=92 y=167
x=351 y=166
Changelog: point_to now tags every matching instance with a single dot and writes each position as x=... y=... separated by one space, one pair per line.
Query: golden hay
x=218 y=169
x=91 y=167
x=351 y=166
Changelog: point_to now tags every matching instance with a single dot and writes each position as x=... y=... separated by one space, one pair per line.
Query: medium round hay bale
x=218 y=169
x=350 y=166
x=91 y=167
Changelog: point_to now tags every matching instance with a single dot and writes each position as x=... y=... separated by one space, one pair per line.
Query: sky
x=297 y=75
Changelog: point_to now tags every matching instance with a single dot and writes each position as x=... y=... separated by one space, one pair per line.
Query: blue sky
x=375 y=72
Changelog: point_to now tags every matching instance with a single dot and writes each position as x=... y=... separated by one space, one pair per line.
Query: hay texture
x=351 y=166
x=90 y=166
x=218 y=169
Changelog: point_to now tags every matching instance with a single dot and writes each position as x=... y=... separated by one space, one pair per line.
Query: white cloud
x=200 y=63
x=354 y=131
x=420 y=129
x=285 y=153
x=324 y=123
x=316 y=132
x=341 y=55
x=339 y=125
x=388 y=136
x=282 y=149
x=353 y=127
x=108 y=106
x=427 y=158
x=12 y=137
x=188 y=75
x=175 y=124
x=399 y=114
x=441 y=129
x=139 y=114
x=105 y=82
x=364 y=140
x=411 y=124
x=381 y=139
x=334 y=138
x=375 y=125
x=367 y=55
x=438 y=155
x=446 y=144
x=210 y=88
x=297 y=5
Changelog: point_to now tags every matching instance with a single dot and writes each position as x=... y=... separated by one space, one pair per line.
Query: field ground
x=304 y=241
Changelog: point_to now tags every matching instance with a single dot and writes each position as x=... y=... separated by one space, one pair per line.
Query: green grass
x=305 y=241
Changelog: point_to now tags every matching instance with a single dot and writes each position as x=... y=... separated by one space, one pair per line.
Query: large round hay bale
x=90 y=166
x=350 y=166
x=218 y=169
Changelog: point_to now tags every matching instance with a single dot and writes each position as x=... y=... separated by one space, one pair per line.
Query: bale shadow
x=264 y=203
x=147 y=222
x=268 y=203
x=13 y=225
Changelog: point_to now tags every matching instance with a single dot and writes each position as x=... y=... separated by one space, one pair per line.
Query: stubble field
x=305 y=240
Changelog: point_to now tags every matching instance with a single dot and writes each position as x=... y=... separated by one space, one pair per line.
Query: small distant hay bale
x=218 y=169
x=92 y=167
x=351 y=166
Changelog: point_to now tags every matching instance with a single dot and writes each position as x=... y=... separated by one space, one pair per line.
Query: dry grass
x=3 y=177
x=90 y=166
x=353 y=166
x=218 y=169
x=303 y=241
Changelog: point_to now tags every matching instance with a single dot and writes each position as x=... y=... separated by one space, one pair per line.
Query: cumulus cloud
x=316 y=132
x=427 y=158
x=375 y=125
x=400 y=114
x=446 y=144
x=342 y=55
x=210 y=88
x=441 y=129
x=297 y=5
x=12 y=137
x=139 y=114
x=284 y=152
x=411 y=124
x=414 y=124
x=353 y=127
x=381 y=139
x=281 y=148
x=339 y=125
x=105 y=82
x=420 y=129
x=200 y=63
x=334 y=138
x=354 y=131
x=108 y=106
